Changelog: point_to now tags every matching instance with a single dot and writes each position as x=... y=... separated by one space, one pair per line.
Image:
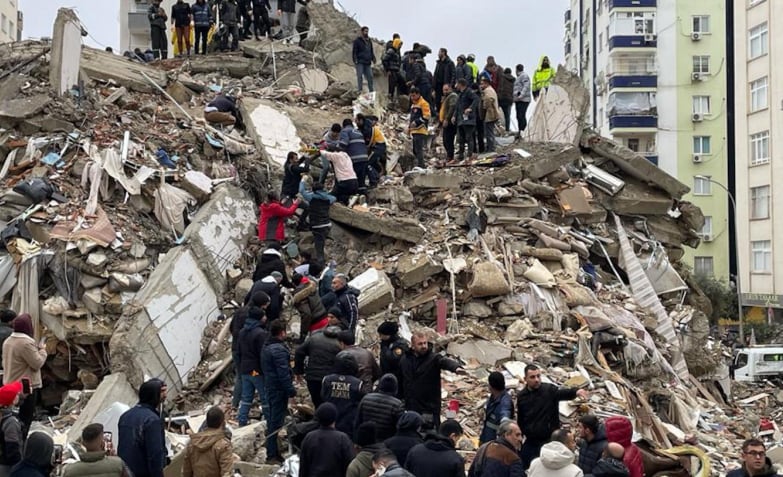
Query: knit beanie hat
x=326 y=414
x=388 y=384
x=9 y=392
x=23 y=324
x=389 y=328
x=410 y=420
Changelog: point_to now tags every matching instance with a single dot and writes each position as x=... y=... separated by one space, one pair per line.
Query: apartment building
x=10 y=21
x=656 y=72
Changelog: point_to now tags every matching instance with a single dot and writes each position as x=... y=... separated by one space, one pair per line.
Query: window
x=701 y=105
x=702 y=186
x=632 y=23
x=706 y=231
x=759 y=148
x=3 y=22
x=742 y=360
x=758 y=94
x=772 y=357
x=633 y=144
x=600 y=42
x=701 y=64
x=701 y=144
x=761 y=256
x=703 y=266
x=11 y=27
x=701 y=24
x=759 y=202
x=758 y=40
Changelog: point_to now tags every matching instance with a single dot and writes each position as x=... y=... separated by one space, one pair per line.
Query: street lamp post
x=736 y=252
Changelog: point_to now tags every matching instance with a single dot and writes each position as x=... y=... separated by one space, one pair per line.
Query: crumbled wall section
x=159 y=335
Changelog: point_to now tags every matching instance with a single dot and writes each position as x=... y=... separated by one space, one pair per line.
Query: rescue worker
x=393 y=346
x=542 y=77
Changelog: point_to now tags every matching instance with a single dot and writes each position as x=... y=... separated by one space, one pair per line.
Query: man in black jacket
x=392 y=63
x=279 y=385
x=408 y=435
x=252 y=338
x=445 y=70
x=438 y=456
x=465 y=118
x=157 y=17
x=369 y=371
x=343 y=389
x=261 y=23
x=319 y=350
x=592 y=442
x=382 y=408
x=347 y=301
x=421 y=379
x=363 y=58
x=393 y=346
x=270 y=260
x=538 y=415
x=141 y=443
x=326 y=451
x=271 y=286
x=237 y=323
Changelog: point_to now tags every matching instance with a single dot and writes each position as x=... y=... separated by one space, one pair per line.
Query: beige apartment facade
x=10 y=21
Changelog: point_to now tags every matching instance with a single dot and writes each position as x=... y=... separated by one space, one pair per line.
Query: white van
x=757 y=362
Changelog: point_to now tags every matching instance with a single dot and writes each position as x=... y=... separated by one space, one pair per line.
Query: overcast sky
x=514 y=31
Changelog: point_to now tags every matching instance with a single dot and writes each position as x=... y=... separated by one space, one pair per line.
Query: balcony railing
x=627 y=66
x=632 y=3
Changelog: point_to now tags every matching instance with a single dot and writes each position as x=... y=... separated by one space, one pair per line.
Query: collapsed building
x=129 y=237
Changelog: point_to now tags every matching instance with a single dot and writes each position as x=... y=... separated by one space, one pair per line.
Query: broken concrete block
x=179 y=92
x=376 y=289
x=692 y=216
x=483 y=351
x=314 y=81
x=66 y=51
x=121 y=282
x=93 y=300
x=97 y=259
x=13 y=111
x=414 y=269
x=507 y=308
x=105 y=66
x=242 y=288
x=519 y=330
x=50 y=124
x=537 y=189
x=635 y=199
x=406 y=229
x=508 y=175
x=512 y=211
x=198 y=184
x=113 y=390
x=543 y=166
x=138 y=249
x=248 y=442
x=271 y=129
x=477 y=309
x=488 y=280
x=236 y=66
x=116 y=95
x=398 y=196
x=91 y=281
x=438 y=180
x=560 y=110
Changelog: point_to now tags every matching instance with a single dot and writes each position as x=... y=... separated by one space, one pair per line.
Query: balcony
x=633 y=41
x=635 y=122
x=632 y=4
x=632 y=72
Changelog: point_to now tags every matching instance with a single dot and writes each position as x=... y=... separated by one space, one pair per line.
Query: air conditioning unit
x=697 y=117
x=697 y=158
x=603 y=180
x=695 y=36
x=697 y=76
x=649 y=37
x=706 y=237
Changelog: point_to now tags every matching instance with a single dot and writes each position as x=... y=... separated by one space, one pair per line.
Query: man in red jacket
x=271 y=225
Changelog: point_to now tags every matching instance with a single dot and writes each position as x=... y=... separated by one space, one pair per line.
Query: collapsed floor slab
x=271 y=129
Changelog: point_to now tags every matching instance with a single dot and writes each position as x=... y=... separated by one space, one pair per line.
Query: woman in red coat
x=271 y=225
x=619 y=429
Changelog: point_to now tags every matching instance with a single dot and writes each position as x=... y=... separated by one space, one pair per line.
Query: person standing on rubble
x=538 y=414
x=462 y=70
x=209 y=452
x=319 y=352
x=619 y=429
x=542 y=77
x=556 y=460
x=464 y=117
x=261 y=23
x=437 y=456
x=319 y=202
x=237 y=323
x=499 y=457
x=37 y=458
x=286 y=9
x=408 y=435
x=270 y=285
x=278 y=379
x=418 y=77
x=506 y=95
x=303 y=20
x=392 y=63
x=157 y=17
x=363 y=59
x=229 y=15
x=347 y=301
x=10 y=427
x=96 y=459
x=592 y=442
x=181 y=16
x=271 y=260
x=499 y=407
x=471 y=62
x=23 y=358
x=245 y=8
x=421 y=368
x=755 y=462
x=489 y=111
x=369 y=371
x=141 y=440
x=521 y=97
x=293 y=168
x=202 y=21
x=223 y=110
x=445 y=113
x=419 y=122
x=252 y=338
x=376 y=167
x=352 y=143
x=326 y=452
x=343 y=389
x=308 y=303
x=443 y=75
x=393 y=347
x=272 y=215
x=381 y=407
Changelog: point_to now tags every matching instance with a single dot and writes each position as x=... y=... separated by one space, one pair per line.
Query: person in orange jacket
x=271 y=225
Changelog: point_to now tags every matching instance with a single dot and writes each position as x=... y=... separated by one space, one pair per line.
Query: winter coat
x=276 y=367
x=303 y=17
x=420 y=116
x=308 y=303
x=269 y=286
x=447 y=108
x=141 y=443
x=363 y=53
x=463 y=71
x=288 y=6
x=474 y=69
x=352 y=143
x=537 y=410
x=361 y=465
x=97 y=464
x=326 y=452
x=768 y=471
x=444 y=72
x=292 y=175
x=12 y=439
x=467 y=99
x=369 y=371
x=391 y=353
x=348 y=302
x=505 y=88
x=417 y=74
x=496 y=410
x=319 y=203
x=224 y=104
x=542 y=77
x=342 y=163
x=382 y=409
x=590 y=452
x=180 y=14
x=391 y=58
x=611 y=467
x=556 y=460
x=345 y=392
x=251 y=343
x=321 y=349
x=402 y=442
x=202 y=14
x=436 y=457
x=271 y=260
x=522 y=88
x=271 y=225
x=156 y=20
x=229 y=13
x=421 y=381
x=5 y=331
x=22 y=357
x=497 y=459
x=396 y=470
x=620 y=430
x=489 y=105
x=208 y=454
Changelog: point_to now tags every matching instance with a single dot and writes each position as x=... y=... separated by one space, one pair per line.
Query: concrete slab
x=560 y=111
x=314 y=81
x=545 y=165
x=443 y=180
x=406 y=229
x=483 y=351
x=104 y=66
x=512 y=211
x=376 y=289
x=66 y=51
x=114 y=388
x=274 y=129
x=635 y=199
x=15 y=110
x=414 y=269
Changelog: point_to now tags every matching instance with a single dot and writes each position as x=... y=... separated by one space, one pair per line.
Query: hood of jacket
x=610 y=467
x=438 y=443
x=149 y=393
x=619 y=429
x=271 y=251
x=250 y=324
x=555 y=455
x=205 y=440
x=541 y=62
x=345 y=364
x=332 y=331
x=38 y=450
x=269 y=279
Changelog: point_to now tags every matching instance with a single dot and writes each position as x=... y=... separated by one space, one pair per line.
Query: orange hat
x=9 y=392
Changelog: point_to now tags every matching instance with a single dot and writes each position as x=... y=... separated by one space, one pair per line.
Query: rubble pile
x=129 y=237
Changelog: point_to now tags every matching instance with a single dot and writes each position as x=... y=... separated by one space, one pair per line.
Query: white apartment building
x=10 y=21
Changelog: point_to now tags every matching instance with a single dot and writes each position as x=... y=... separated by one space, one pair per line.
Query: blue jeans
x=489 y=134
x=366 y=71
x=251 y=384
x=278 y=406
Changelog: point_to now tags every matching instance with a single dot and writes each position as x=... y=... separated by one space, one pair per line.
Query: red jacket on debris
x=619 y=429
x=271 y=225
